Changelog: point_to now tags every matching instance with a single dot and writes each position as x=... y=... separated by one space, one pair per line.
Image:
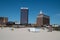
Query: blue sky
x=11 y=9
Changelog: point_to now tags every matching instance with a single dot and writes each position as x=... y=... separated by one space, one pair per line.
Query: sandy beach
x=24 y=34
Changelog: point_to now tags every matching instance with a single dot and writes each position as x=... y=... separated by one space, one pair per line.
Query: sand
x=24 y=34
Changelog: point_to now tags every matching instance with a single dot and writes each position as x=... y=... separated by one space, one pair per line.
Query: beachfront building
x=3 y=20
x=43 y=19
x=24 y=15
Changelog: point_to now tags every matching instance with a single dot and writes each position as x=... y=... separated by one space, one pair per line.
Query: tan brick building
x=43 y=19
x=3 y=20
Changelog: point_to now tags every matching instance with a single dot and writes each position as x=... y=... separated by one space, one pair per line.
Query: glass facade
x=24 y=16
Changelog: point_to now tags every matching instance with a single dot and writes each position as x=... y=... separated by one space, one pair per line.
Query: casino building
x=42 y=19
x=3 y=20
x=24 y=15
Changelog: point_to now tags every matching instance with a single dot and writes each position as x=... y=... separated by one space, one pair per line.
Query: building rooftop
x=24 y=8
x=42 y=15
x=41 y=12
x=3 y=17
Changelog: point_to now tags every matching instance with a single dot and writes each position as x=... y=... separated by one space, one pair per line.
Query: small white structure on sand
x=37 y=30
x=34 y=29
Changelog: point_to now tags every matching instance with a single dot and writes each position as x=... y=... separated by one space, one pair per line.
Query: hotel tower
x=24 y=15
x=43 y=19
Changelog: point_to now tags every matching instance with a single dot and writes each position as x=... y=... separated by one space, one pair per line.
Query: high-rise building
x=43 y=19
x=24 y=15
x=3 y=20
